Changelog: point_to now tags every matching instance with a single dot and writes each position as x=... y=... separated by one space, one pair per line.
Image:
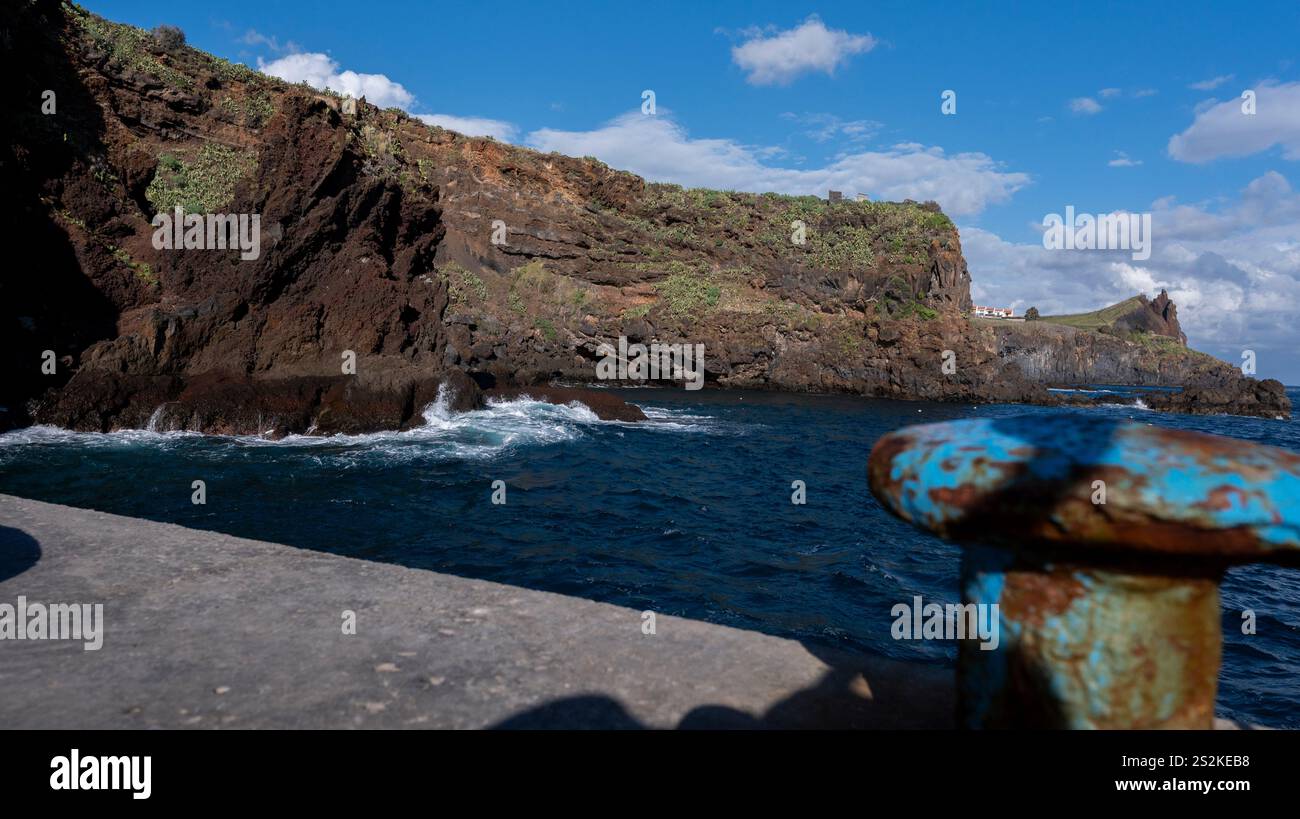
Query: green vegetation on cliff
x=132 y=48
x=1097 y=319
x=844 y=236
x=686 y=294
x=202 y=185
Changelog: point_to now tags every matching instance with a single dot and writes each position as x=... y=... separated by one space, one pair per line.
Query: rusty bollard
x=1103 y=543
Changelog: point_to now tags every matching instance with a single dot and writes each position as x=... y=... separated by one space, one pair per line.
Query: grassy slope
x=1105 y=317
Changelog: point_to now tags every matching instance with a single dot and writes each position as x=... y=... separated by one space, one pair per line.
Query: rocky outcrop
x=396 y=258
x=1057 y=355
x=1060 y=356
x=224 y=402
x=1158 y=317
x=1266 y=399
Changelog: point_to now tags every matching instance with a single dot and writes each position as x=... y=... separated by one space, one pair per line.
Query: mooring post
x=1102 y=542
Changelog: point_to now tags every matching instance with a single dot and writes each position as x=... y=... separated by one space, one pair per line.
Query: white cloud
x=1266 y=203
x=1212 y=83
x=1088 y=105
x=472 y=126
x=253 y=37
x=660 y=150
x=322 y=71
x=1122 y=160
x=824 y=127
x=1222 y=129
x=810 y=47
x=1085 y=105
x=1233 y=271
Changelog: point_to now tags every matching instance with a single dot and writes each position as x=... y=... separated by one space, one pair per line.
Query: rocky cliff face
x=1064 y=356
x=1157 y=316
x=433 y=261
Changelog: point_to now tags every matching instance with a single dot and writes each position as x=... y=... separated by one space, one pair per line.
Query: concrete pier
x=203 y=630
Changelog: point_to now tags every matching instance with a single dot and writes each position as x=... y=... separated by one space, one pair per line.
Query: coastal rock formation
x=1058 y=355
x=428 y=260
x=1262 y=398
x=1158 y=316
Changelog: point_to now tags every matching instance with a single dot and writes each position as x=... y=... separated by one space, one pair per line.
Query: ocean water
x=689 y=513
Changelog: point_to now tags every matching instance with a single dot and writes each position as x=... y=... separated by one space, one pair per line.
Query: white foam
x=683 y=420
x=499 y=427
x=152 y=426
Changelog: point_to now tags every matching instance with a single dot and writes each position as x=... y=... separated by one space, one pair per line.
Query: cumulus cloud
x=661 y=150
x=1109 y=92
x=1085 y=105
x=1212 y=83
x=1223 y=129
x=322 y=71
x=472 y=126
x=1267 y=203
x=1234 y=272
x=782 y=57
x=1122 y=160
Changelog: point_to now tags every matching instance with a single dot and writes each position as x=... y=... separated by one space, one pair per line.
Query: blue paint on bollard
x=941 y=477
x=1109 y=610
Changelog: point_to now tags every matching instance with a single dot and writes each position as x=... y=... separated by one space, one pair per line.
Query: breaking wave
x=499 y=427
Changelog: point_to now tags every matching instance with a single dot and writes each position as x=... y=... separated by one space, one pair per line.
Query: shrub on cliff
x=464 y=287
x=204 y=185
x=383 y=150
x=129 y=47
x=252 y=109
x=168 y=38
x=687 y=293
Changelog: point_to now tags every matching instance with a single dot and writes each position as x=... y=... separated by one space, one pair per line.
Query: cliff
x=1159 y=317
x=438 y=260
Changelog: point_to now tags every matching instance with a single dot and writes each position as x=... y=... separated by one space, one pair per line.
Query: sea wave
x=681 y=419
x=499 y=427
x=1137 y=404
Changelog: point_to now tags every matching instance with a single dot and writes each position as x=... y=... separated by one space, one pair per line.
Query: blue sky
x=1106 y=107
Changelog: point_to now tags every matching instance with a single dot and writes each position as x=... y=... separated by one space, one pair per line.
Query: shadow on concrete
x=856 y=693
x=868 y=692
x=19 y=552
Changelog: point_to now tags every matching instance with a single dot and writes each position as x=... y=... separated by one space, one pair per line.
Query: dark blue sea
x=687 y=514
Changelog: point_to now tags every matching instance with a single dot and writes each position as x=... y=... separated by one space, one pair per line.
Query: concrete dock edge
x=205 y=630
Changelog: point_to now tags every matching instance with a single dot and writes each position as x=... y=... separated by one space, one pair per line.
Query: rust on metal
x=1102 y=544
x=1029 y=479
